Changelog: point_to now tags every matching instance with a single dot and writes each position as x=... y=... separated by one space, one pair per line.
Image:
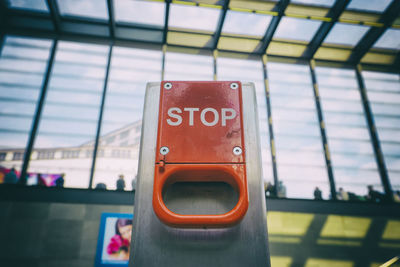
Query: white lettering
x=224 y=115
x=191 y=114
x=175 y=116
x=203 y=117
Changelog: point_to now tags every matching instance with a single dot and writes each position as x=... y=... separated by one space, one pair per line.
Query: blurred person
x=134 y=183
x=11 y=177
x=317 y=193
x=60 y=181
x=343 y=195
x=281 y=190
x=374 y=195
x=121 y=183
x=40 y=180
x=396 y=196
x=119 y=245
x=101 y=186
x=269 y=189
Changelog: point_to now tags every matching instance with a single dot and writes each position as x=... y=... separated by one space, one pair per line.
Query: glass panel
x=352 y=155
x=297 y=29
x=141 y=12
x=188 y=67
x=67 y=129
x=31 y=5
x=324 y=3
x=300 y=157
x=89 y=8
x=230 y=69
x=118 y=151
x=23 y=63
x=390 y=39
x=346 y=34
x=388 y=123
x=192 y=17
x=246 y=23
x=370 y=5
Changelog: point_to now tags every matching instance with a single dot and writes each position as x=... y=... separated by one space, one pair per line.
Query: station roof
x=344 y=31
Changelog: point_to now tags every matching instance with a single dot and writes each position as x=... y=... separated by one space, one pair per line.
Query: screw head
x=234 y=86
x=237 y=150
x=167 y=86
x=164 y=150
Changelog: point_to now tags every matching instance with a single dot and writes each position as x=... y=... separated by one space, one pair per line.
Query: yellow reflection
x=188 y=39
x=378 y=58
x=238 y=44
x=288 y=223
x=327 y=263
x=285 y=49
x=392 y=230
x=281 y=239
x=345 y=226
x=323 y=241
x=281 y=261
x=387 y=264
x=389 y=245
x=330 y=53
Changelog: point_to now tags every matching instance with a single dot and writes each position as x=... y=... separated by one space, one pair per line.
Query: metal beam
x=167 y=6
x=364 y=45
x=111 y=17
x=270 y=128
x=380 y=161
x=322 y=130
x=99 y=122
x=220 y=24
x=37 y=114
x=55 y=14
x=334 y=14
x=280 y=8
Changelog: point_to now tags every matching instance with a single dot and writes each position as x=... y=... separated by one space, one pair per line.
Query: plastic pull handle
x=233 y=174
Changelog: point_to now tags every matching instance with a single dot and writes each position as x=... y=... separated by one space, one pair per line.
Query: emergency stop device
x=200 y=133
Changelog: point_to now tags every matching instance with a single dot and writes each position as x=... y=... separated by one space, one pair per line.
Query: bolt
x=167 y=86
x=237 y=150
x=234 y=86
x=164 y=150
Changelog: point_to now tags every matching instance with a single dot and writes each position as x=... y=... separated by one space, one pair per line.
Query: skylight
x=96 y=9
x=296 y=29
x=31 y=5
x=390 y=39
x=245 y=23
x=371 y=5
x=192 y=17
x=346 y=34
x=141 y=12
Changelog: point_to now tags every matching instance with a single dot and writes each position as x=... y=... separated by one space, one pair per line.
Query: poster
x=113 y=245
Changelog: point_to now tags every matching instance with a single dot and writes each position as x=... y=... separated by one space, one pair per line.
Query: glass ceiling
x=140 y=12
x=246 y=23
x=192 y=17
x=377 y=6
x=390 y=39
x=245 y=26
x=325 y=3
x=96 y=9
x=34 y=5
x=297 y=29
x=346 y=34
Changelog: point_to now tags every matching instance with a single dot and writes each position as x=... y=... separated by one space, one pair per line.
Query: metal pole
x=103 y=98
x=270 y=128
x=323 y=132
x=380 y=161
x=164 y=50
x=215 y=55
x=38 y=112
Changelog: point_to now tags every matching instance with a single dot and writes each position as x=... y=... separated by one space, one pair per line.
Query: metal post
x=380 y=161
x=270 y=128
x=323 y=132
x=103 y=98
x=38 y=112
x=215 y=55
x=164 y=50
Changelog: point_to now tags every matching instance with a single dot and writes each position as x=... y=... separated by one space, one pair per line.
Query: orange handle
x=233 y=174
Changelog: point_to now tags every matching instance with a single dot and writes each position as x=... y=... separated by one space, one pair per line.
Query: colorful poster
x=114 y=240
